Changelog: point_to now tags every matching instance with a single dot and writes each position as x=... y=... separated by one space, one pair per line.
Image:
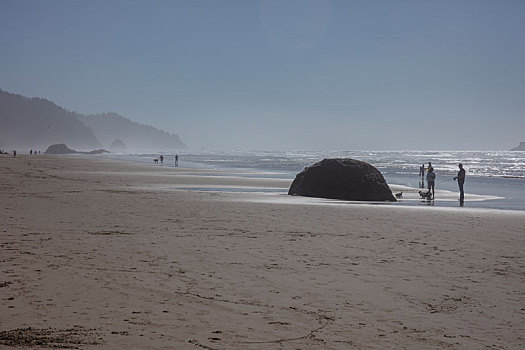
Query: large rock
x=118 y=146
x=346 y=179
x=96 y=151
x=521 y=147
x=61 y=148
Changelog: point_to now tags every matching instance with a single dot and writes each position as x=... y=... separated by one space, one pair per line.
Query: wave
x=500 y=164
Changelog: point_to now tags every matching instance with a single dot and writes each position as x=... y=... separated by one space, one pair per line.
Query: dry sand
x=100 y=255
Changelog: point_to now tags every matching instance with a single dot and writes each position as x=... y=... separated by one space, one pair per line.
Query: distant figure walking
x=161 y=158
x=176 y=160
x=431 y=178
x=461 y=181
x=30 y=152
x=14 y=153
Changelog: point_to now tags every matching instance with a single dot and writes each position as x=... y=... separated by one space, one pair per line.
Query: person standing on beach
x=14 y=153
x=161 y=158
x=422 y=175
x=176 y=160
x=461 y=181
x=431 y=178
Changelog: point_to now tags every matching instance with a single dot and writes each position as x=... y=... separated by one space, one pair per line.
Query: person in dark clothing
x=431 y=177
x=422 y=171
x=422 y=174
x=461 y=181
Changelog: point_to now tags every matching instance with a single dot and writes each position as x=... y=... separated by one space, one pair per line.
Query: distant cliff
x=521 y=147
x=35 y=123
x=137 y=137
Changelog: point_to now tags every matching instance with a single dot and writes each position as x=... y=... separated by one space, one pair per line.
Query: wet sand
x=109 y=255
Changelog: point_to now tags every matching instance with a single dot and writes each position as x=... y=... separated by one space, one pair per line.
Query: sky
x=280 y=75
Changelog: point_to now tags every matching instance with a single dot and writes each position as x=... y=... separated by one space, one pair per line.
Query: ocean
x=496 y=178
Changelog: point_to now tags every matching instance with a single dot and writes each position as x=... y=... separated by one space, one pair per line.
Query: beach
x=104 y=254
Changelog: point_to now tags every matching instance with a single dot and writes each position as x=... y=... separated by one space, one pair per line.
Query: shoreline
x=482 y=192
x=95 y=257
x=446 y=198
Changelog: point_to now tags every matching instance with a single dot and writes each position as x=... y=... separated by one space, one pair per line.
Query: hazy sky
x=314 y=75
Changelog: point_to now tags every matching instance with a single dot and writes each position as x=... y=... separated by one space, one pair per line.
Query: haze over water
x=295 y=74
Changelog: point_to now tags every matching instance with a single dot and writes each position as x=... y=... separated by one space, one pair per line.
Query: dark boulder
x=346 y=179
